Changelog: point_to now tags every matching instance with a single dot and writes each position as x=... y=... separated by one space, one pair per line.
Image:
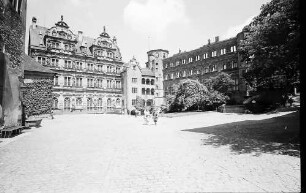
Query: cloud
x=234 y=30
x=153 y=17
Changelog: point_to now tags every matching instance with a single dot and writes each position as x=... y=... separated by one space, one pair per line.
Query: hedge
x=37 y=97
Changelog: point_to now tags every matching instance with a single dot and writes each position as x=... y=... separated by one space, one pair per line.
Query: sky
x=143 y=25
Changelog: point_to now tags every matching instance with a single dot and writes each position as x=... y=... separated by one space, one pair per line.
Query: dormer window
x=69 y=37
x=54 y=33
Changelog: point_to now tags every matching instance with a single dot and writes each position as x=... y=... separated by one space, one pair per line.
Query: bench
x=11 y=131
x=33 y=122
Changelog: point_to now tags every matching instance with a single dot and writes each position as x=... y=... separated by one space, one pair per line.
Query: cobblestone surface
x=116 y=153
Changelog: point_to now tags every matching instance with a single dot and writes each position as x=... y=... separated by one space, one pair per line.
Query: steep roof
x=31 y=65
x=147 y=72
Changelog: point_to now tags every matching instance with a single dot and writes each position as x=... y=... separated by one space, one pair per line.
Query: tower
x=155 y=63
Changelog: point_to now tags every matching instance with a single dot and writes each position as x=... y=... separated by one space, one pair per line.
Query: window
x=166 y=77
x=78 y=82
x=214 y=54
x=183 y=61
x=205 y=56
x=78 y=65
x=233 y=48
x=177 y=63
x=206 y=70
x=171 y=76
x=198 y=71
x=100 y=68
x=152 y=81
x=68 y=64
x=190 y=72
x=133 y=101
x=177 y=74
x=56 y=80
x=184 y=73
x=166 y=65
x=118 y=84
x=197 y=58
x=41 y=60
x=143 y=91
x=100 y=104
x=90 y=67
x=235 y=65
x=89 y=104
x=67 y=81
x=224 y=66
x=99 y=83
x=152 y=91
x=54 y=62
x=147 y=81
x=79 y=102
x=212 y=68
x=223 y=51
x=117 y=70
x=147 y=91
x=190 y=60
x=67 y=104
x=134 y=90
x=143 y=81
x=171 y=64
x=90 y=82
x=236 y=86
x=109 y=83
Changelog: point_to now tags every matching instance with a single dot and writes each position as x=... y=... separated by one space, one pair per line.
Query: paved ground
x=116 y=153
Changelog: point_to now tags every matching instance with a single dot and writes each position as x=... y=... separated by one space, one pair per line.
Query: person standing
x=146 y=116
x=155 y=116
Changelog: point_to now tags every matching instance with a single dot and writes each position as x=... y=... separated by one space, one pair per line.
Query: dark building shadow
x=278 y=135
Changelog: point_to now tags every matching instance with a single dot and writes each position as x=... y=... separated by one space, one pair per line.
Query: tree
x=140 y=103
x=221 y=83
x=271 y=46
x=190 y=93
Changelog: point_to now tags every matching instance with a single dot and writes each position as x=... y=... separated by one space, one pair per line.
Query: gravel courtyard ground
x=117 y=153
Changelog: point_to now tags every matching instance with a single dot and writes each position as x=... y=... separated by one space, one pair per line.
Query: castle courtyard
x=118 y=153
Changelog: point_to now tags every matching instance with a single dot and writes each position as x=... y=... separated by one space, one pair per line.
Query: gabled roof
x=147 y=72
x=31 y=65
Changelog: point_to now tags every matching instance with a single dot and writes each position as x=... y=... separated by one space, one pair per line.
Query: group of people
x=154 y=115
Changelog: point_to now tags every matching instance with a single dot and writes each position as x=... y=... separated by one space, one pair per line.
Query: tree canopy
x=221 y=83
x=271 y=46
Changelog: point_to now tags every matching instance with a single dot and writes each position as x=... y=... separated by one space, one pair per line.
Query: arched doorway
x=67 y=104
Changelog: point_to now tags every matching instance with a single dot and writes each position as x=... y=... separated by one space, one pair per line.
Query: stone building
x=12 y=45
x=88 y=69
x=147 y=83
x=206 y=61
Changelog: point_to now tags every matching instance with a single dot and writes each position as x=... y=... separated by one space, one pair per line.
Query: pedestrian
x=146 y=116
x=155 y=116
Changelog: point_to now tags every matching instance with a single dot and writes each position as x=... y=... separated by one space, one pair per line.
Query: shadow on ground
x=278 y=135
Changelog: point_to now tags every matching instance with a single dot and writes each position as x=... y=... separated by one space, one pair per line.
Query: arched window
x=89 y=104
x=152 y=81
x=67 y=104
x=55 y=103
x=152 y=91
x=100 y=104
x=149 y=102
x=147 y=81
x=148 y=91
x=143 y=81
x=79 y=102
x=143 y=91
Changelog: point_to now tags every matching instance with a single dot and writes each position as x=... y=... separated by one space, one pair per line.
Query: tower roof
x=104 y=34
x=62 y=23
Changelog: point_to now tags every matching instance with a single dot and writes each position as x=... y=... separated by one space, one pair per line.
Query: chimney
x=34 y=20
x=80 y=36
x=208 y=41
x=216 y=38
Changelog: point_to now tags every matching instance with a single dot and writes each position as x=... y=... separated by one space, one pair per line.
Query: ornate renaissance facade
x=207 y=61
x=88 y=69
x=146 y=83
